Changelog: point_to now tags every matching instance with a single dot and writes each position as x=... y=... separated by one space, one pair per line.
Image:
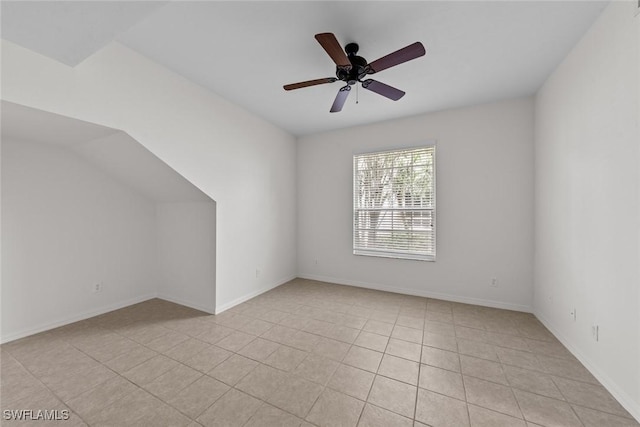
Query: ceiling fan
x=351 y=69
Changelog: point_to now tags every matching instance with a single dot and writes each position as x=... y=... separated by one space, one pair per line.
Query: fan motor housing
x=359 y=66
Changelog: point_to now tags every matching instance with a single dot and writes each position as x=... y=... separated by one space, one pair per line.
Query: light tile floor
x=307 y=353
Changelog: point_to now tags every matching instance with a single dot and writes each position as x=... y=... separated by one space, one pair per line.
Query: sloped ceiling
x=477 y=51
x=110 y=150
x=70 y=31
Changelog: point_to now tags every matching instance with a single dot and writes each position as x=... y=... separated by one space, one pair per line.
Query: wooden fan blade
x=405 y=54
x=341 y=97
x=330 y=44
x=309 y=83
x=383 y=89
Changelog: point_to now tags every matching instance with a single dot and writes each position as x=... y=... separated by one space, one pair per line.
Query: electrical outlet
x=573 y=314
x=595 y=332
x=494 y=282
x=97 y=287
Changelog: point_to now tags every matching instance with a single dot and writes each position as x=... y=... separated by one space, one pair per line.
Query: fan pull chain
x=356 y=94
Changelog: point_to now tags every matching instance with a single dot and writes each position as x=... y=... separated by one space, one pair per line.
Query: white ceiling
x=70 y=31
x=477 y=51
x=110 y=150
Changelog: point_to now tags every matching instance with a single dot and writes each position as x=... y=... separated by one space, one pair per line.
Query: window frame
x=386 y=253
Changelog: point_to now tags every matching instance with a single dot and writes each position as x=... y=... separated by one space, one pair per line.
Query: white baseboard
x=105 y=309
x=621 y=396
x=226 y=306
x=75 y=318
x=420 y=293
x=190 y=304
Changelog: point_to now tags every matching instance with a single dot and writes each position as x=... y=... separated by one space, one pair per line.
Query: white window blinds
x=394 y=204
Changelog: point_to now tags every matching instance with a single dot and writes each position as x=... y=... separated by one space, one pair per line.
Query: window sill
x=410 y=257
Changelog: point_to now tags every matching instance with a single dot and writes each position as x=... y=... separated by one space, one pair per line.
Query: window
x=394 y=204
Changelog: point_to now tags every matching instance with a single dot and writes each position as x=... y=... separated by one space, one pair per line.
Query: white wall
x=484 y=167
x=242 y=162
x=187 y=253
x=587 y=214
x=65 y=227
x=636 y=411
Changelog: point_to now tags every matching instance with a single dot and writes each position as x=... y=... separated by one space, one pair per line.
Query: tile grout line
x=138 y=386
x=415 y=404
x=279 y=308
x=464 y=387
x=573 y=411
x=47 y=387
